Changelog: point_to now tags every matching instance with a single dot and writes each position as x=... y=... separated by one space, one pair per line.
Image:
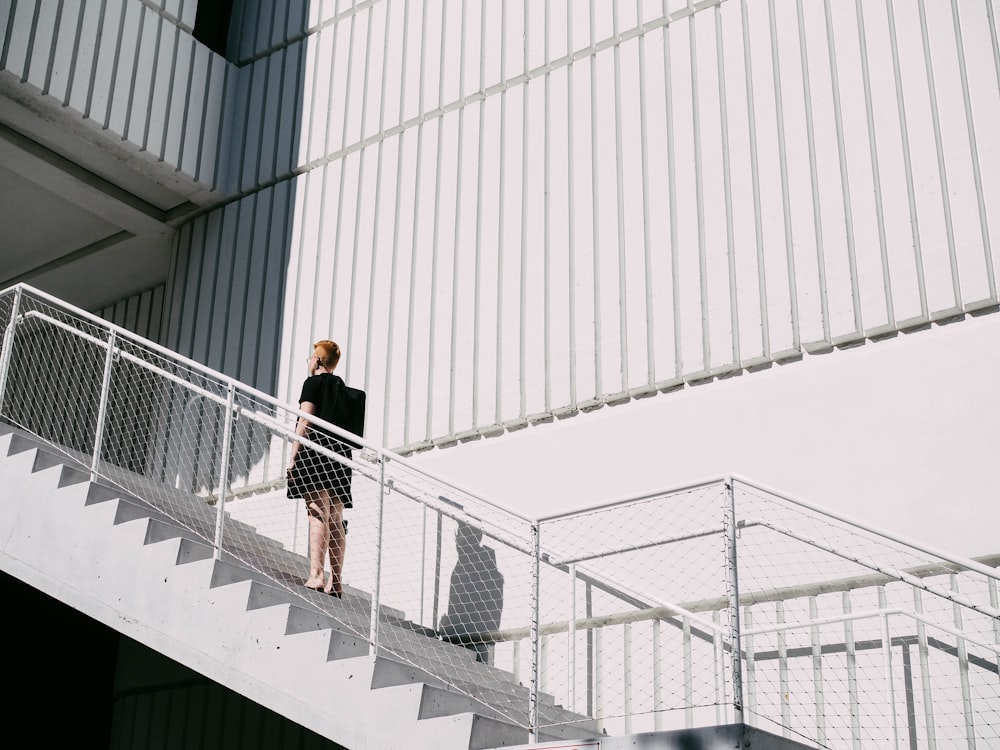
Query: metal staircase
x=129 y=565
x=147 y=492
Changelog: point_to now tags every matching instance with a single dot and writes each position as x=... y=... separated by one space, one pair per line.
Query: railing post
x=224 y=469
x=423 y=568
x=883 y=604
x=102 y=409
x=925 y=679
x=436 y=606
x=536 y=563
x=373 y=633
x=572 y=637
x=688 y=661
x=719 y=672
x=627 y=671
x=817 y=659
x=657 y=678
x=588 y=598
x=850 y=652
x=733 y=591
x=8 y=343
x=963 y=670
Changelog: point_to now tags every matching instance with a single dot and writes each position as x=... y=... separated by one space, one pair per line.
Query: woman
x=324 y=482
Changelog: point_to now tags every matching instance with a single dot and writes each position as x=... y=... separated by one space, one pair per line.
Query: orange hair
x=328 y=353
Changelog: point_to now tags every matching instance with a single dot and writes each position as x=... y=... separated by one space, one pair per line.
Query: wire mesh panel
x=458 y=568
x=855 y=639
x=431 y=573
x=52 y=360
x=621 y=644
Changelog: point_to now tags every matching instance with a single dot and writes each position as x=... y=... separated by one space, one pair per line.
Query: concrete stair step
x=299 y=652
x=132 y=508
x=352 y=614
x=411 y=648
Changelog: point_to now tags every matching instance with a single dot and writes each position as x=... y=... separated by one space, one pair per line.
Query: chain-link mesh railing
x=612 y=592
x=619 y=618
x=849 y=637
x=852 y=638
x=442 y=569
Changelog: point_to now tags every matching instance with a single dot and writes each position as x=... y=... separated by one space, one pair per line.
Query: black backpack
x=345 y=407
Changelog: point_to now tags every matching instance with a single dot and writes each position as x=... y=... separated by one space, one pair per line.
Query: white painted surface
x=631 y=204
x=901 y=434
x=898 y=432
x=236 y=634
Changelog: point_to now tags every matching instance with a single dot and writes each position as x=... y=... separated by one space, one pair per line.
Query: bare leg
x=338 y=545
x=318 y=505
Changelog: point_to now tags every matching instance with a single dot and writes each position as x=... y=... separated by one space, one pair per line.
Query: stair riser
x=302 y=655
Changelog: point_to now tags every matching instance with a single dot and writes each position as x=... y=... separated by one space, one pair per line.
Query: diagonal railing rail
x=623 y=614
x=199 y=448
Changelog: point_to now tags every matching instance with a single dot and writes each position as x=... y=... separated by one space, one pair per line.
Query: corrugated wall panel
x=253 y=123
x=290 y=108
x=297 y=19
x=39 y=53
x=87 y=56
x=178 y=122
x=17 y=39
x=196 y=104
x=514 y=210
x=272 y=78
x=141 y=313
x=63 y=55
x=218 y=100
x=132 y=67
x=161 y=105
x=143 y=75
x=232 y=147
x=171 y=7
x=129 y=34
x=227 y=284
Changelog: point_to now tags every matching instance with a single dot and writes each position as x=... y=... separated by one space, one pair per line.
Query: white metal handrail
x=888 y=571
x=884 y=533
x=737 y=479
x=405 y=483
x=242 y=388
x=874 y=613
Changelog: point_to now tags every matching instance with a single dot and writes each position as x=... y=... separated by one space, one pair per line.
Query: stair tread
x=493 y=693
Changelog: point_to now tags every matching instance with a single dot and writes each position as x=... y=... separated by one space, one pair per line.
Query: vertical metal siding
x=130 y=66
x=141 y=313
x=718 y=187
x=227 y=286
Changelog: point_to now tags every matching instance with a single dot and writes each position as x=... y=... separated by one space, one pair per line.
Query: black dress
x=314 y=470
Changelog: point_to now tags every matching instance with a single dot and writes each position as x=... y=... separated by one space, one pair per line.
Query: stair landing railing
x=849 y=636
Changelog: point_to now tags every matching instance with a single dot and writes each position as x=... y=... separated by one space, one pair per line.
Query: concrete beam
x=47 y=169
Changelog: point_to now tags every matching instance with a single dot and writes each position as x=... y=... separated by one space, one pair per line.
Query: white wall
x=902 y=434
x=505 y=211
x=403 y=177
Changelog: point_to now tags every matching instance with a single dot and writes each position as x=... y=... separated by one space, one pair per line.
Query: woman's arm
x=301 y=428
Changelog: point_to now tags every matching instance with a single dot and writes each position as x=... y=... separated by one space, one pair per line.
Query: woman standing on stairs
x=320 y=480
